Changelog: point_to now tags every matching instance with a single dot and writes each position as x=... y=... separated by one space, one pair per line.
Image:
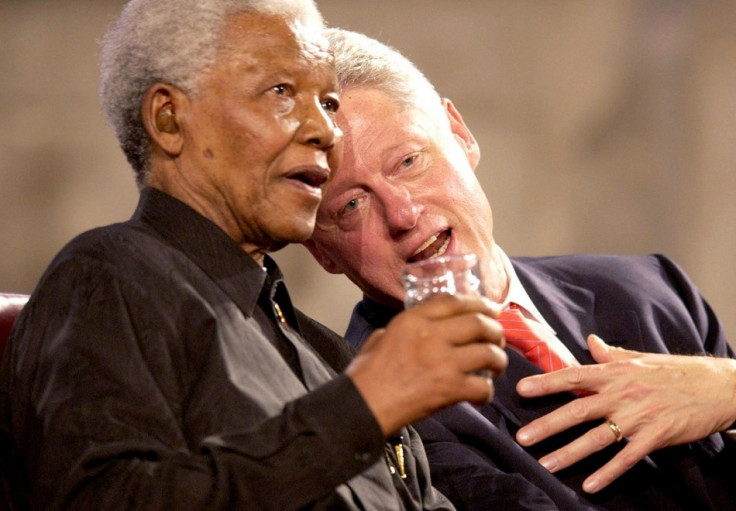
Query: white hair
x=173 y=42
x=364 y=62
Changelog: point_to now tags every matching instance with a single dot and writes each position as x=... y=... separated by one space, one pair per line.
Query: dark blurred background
x=616 y=118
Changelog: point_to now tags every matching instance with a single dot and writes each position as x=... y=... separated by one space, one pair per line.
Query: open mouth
x=433 y=247
x=313 y=177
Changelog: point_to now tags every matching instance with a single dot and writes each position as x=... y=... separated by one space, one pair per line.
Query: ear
x=324 y=261
x=159 y=111
x=464 y=138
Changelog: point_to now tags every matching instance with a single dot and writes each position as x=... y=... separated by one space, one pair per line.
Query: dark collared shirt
x=151 y=369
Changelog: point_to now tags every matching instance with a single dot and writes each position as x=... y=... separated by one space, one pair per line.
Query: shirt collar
x=517 y=294
x=379 y=314
x=208 y=246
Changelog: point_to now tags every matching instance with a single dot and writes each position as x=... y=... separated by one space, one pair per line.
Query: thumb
x=603 y=353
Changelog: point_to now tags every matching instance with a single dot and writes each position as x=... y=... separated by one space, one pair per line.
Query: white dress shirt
x=518 y=295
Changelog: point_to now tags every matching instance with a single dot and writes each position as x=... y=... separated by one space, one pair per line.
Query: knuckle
x=636 y=391
x=418 y=331
x=579 y=409
x=499 y=358
x=574 y=375
x=629 y=458
x=490 y=328
x=476 y=321
x=475 y=326
x=601 y=435
x=544 y=429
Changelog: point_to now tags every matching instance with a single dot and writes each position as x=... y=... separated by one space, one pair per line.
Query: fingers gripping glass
x=444 y=275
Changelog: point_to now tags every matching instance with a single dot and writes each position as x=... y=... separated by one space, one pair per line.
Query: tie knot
x=527 y=336
x=511 y=313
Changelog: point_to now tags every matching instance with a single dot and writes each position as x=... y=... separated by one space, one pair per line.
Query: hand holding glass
x=444 y=275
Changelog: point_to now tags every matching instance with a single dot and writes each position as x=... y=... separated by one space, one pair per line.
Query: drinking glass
x=444 y=275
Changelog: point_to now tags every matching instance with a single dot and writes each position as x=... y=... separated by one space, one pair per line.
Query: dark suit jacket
x=640 y=303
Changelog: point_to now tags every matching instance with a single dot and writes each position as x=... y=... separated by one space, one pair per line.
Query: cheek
x=338 y=246
x=287 y=124
x=375 y=257
x=257 y=132
x=356 y=251
x=351 y=248
x=465 y=192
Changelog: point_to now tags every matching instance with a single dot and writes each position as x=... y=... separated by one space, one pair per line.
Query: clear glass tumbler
x=444 y=275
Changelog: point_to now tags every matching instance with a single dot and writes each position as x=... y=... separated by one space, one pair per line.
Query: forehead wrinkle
x=409 y=138
x=361 y=167
x=359 y=133
x=279 y=37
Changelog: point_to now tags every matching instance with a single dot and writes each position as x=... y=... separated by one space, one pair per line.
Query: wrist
x=729 y=366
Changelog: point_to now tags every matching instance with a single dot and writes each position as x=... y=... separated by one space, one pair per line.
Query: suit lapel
x=570 y=311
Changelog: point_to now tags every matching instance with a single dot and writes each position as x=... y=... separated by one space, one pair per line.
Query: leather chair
x=10 y=306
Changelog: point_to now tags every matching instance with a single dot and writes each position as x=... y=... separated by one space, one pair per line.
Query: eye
x=351 y=206
x=352 y=214
x=280 y=89
x=331 y=105
x=408 y=162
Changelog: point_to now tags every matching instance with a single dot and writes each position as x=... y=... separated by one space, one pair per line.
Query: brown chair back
x=10 y=306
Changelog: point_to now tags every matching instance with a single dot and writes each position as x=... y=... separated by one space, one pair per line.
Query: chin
x=296 y=234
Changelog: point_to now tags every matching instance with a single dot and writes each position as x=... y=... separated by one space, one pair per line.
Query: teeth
x=426 y=244
x=443 y=248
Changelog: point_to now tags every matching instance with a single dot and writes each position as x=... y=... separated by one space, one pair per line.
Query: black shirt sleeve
x=105 y=410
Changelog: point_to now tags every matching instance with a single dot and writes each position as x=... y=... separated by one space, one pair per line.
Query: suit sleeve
x=708 y=326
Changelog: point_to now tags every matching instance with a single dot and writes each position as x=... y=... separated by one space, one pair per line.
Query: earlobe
x=324 y=261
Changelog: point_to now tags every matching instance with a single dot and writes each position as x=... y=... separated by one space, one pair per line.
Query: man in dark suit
x=637 y=422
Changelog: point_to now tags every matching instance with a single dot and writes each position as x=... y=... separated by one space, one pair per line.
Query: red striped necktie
x=527 y=336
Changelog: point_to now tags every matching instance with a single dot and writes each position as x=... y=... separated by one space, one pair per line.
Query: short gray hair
x=174 y=42
x=364 y=62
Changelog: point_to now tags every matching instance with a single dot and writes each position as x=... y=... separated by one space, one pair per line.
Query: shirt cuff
x=347 y=420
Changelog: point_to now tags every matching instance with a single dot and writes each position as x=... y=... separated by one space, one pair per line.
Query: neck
x=495 y=277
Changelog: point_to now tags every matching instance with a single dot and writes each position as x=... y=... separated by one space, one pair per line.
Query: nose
x=317 y=127
x=401 y=210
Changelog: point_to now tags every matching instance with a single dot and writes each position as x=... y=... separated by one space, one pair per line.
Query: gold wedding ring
x=614 y=429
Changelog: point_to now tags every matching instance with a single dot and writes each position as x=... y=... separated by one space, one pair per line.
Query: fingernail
x=523 y=386
x=524 y=437
x=591 y=485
